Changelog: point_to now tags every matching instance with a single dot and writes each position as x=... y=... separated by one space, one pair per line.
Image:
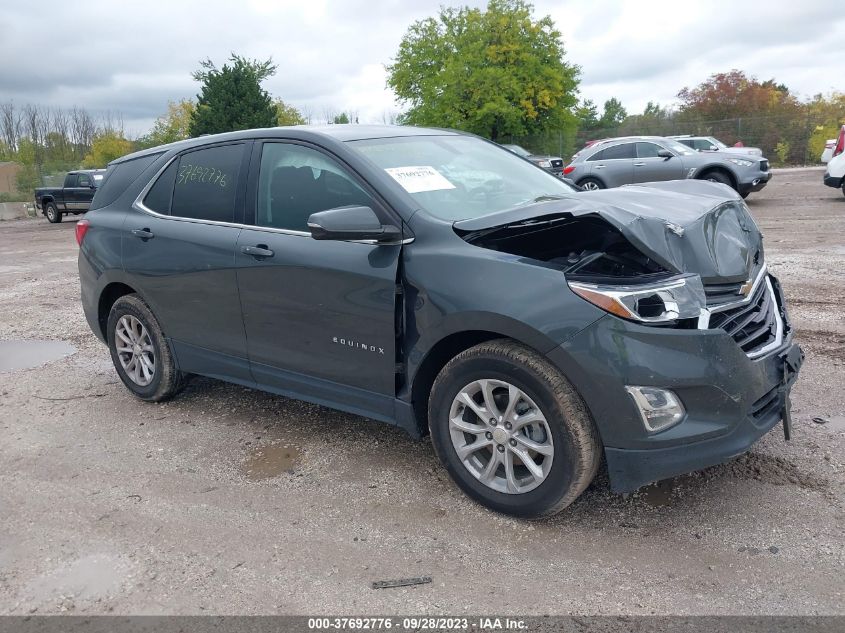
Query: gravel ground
x=228 y=500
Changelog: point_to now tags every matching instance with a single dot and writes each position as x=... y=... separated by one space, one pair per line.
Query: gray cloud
x=134 y=57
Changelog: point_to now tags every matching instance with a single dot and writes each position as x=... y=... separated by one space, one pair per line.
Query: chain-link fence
x=785 y=140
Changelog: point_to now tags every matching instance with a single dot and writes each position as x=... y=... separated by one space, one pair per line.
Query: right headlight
x=677 y=298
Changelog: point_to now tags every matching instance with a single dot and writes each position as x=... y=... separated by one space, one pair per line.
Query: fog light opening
x=659 y=408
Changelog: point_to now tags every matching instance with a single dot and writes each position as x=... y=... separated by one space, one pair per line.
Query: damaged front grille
x=720 y=294
x=755 y=325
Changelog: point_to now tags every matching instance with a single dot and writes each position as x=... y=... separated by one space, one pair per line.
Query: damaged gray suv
x=433 y=280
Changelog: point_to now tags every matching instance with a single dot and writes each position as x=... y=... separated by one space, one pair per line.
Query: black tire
x=843 y=188
x=718 y=176
x=167 y=380
x=591 y=184
x=577 y=448
x=52 y=213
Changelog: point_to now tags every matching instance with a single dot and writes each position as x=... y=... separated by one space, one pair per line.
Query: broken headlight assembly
x=663 y=302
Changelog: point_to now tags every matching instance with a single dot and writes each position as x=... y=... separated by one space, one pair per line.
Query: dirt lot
x=227 y=500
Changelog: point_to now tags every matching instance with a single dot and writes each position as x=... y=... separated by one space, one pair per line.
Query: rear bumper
x=730 y=399
x=832 y=181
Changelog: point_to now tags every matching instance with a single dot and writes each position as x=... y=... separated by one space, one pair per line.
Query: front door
x=179 y=249
x=319 y=315
x=649 y=167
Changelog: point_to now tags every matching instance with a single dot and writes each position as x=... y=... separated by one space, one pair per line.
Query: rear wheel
x=511 y=431
x=139 y=351
x=52 y=213
x=591 y=184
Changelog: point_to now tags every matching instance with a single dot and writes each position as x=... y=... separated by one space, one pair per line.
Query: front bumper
x=755 y=183
x=730 y=399
x=832 y=181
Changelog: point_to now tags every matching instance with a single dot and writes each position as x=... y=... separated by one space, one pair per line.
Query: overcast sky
x=132 y=57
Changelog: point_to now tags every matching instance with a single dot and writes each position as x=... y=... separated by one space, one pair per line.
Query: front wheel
x=139 y=351
x=52 y=213
x=511 y=431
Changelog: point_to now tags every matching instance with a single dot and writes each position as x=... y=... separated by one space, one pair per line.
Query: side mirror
x=351 y=223
x=664 y=153
x=713 y=148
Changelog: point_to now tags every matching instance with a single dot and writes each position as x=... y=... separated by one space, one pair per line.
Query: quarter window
x=296 y=181
x=161 y=193
x=205 y=183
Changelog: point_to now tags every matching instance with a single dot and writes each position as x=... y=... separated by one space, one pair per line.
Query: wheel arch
x=591 y=176
x=449 y=346
x=45 y=201
x=110 y=293
x=709 y=169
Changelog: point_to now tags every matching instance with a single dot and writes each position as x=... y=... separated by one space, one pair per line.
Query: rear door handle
x=144 y=234
x=638 y=164
x=598 y=166
x=259 y=251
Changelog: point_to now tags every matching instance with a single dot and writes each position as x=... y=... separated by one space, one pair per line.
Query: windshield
x=516 y=149
x=460 y=177
x=675 y=146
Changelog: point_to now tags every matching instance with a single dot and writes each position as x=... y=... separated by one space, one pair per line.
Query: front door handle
x=638 y=164
x=259 y=251
x=598 y=166
x=144 y=234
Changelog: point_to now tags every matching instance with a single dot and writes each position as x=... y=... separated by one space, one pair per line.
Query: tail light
x=81 y=229
x=840 y=142
x=568 y=169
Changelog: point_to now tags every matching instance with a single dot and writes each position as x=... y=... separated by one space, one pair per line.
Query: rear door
x=319 y=315
x=649 y=167
x=614 y=165
x=179 y=251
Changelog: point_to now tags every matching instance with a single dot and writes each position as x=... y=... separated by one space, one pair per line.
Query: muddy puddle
x=271 y=460
x=16 y=355
x=658 y=494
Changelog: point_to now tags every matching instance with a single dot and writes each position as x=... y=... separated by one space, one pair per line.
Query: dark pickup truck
x=73 y=197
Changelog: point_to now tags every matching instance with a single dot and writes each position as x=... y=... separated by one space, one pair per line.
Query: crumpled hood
x=684 y=225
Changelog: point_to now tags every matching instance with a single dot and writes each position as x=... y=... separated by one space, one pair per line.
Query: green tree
x=105 y=148
x=287 y=114
x=588 y=115
x=172 y=126
x=29 y=176
x=613 y=113
x=341 y=118
x=232 y=97
x=494 y=72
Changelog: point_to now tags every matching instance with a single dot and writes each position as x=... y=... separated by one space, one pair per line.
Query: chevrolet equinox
x=432 y=280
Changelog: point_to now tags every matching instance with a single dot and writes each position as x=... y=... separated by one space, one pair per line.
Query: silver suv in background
x=636 y=159
x=712 y=144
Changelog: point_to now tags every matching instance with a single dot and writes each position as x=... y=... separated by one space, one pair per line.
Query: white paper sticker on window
x=419 y=178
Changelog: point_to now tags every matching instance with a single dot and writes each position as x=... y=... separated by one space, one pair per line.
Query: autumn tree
x=172 y=126
x=232 y=98
x=106 y=147
x=735 y=94
x=495 y=72
x=287 y=114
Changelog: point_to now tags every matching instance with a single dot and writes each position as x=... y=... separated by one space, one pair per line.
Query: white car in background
x=834 y=146
x=712 y=144
x=834 y=176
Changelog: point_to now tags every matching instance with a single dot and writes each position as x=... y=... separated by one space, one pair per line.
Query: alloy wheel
x=501 y=436
x=590 y=186
x=135 y=350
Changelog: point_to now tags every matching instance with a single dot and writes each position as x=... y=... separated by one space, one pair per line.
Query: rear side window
x=119 y=177
x=83 y=180
x=205 y=183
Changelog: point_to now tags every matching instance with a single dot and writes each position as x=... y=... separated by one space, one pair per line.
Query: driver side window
x=295 y=181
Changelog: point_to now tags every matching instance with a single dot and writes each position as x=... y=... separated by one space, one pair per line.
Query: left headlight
x=741 y=162
x=678 y=298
